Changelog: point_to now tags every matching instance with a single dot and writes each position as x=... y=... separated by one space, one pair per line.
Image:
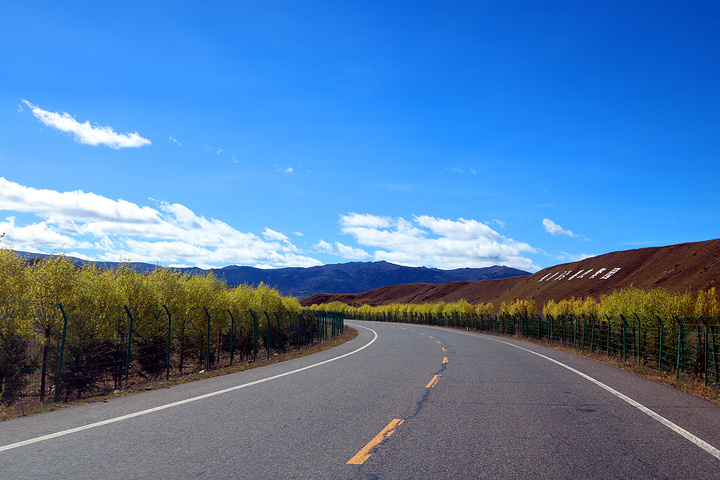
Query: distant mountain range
x=685 y=267
x=353 y=277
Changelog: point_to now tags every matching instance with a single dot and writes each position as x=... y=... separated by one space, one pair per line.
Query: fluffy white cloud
x=364 y=220
x=113 y=229
x=273 y=235
x=345 y=251
x=554 y=229
x=86 y=133
x=351 y=253
x=434 y=242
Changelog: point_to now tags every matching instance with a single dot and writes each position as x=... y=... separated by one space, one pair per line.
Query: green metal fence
x=59 y=353
x=683 y=346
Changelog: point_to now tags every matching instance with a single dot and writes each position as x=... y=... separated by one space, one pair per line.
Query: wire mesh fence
x=64 y=352
x=683 y=346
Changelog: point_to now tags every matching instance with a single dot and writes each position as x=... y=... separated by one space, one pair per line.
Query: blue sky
x=299 y=133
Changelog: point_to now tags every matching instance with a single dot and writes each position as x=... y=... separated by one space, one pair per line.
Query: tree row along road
x=398 y=401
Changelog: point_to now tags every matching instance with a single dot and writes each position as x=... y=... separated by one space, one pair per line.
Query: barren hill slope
x=687 y=266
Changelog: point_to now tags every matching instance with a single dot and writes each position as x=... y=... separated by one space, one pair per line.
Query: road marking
x=429 y=336
x=672 y=426
x=181 y=402
x=370 y=448
x=445 y=359
x=444 y=349
x=433 y=382
x=437 y=341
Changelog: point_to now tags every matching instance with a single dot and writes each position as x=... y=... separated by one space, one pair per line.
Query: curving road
x=399 y=401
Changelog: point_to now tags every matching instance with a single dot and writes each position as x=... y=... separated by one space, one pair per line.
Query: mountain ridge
x=691 y=266
x=347 y=277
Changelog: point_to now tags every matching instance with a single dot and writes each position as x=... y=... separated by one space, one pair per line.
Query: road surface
x=398 y=401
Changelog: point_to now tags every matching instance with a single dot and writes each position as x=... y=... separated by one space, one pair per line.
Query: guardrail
x=60 y=352
x=683 y=346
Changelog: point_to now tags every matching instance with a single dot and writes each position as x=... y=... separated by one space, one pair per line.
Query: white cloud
x=273 y=235
x=325 y=247
x=433 y=242
x=364 y=220
x=554 y=229
x=106 y=229
x=497 y=222
x=281 y=169
x=576 y=257
x=351 y=253
x=345 y=251
x=85 y=132
x=173 y=140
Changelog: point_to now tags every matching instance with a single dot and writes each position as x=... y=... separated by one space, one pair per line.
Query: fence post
x=255 y=334
x=609 y=332
x=207 y=343
x=679 y=348
x=278 y=329
x=62 y=351
x=574 y=324
x=289 y=329
x=268 y=338
x=169 y=344
x=705 y=350
x=128 y=354
x=551 y=326
x=661 y=327
x=639 y=344
x=624 y=341
x=232 y=336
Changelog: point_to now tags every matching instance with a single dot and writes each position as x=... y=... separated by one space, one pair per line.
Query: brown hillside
x=678 y=268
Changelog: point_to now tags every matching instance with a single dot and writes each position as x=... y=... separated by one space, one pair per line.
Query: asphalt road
x=398 y=401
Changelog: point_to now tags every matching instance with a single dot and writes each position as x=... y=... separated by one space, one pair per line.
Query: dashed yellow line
x=439 y=342
x=444 y=350
x=370 y=448
x=433 y=382
x=445 y=360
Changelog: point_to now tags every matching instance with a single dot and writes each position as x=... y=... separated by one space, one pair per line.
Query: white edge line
x=672 y=426
x=181 y=402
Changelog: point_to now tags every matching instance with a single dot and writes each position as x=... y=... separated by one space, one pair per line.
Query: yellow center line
x=422 y=333
x=370 y=448
x=433 y=382
x=429 y=336
x=412 y=330
x=445 y=359
x=444 y=349
x=438 y=341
